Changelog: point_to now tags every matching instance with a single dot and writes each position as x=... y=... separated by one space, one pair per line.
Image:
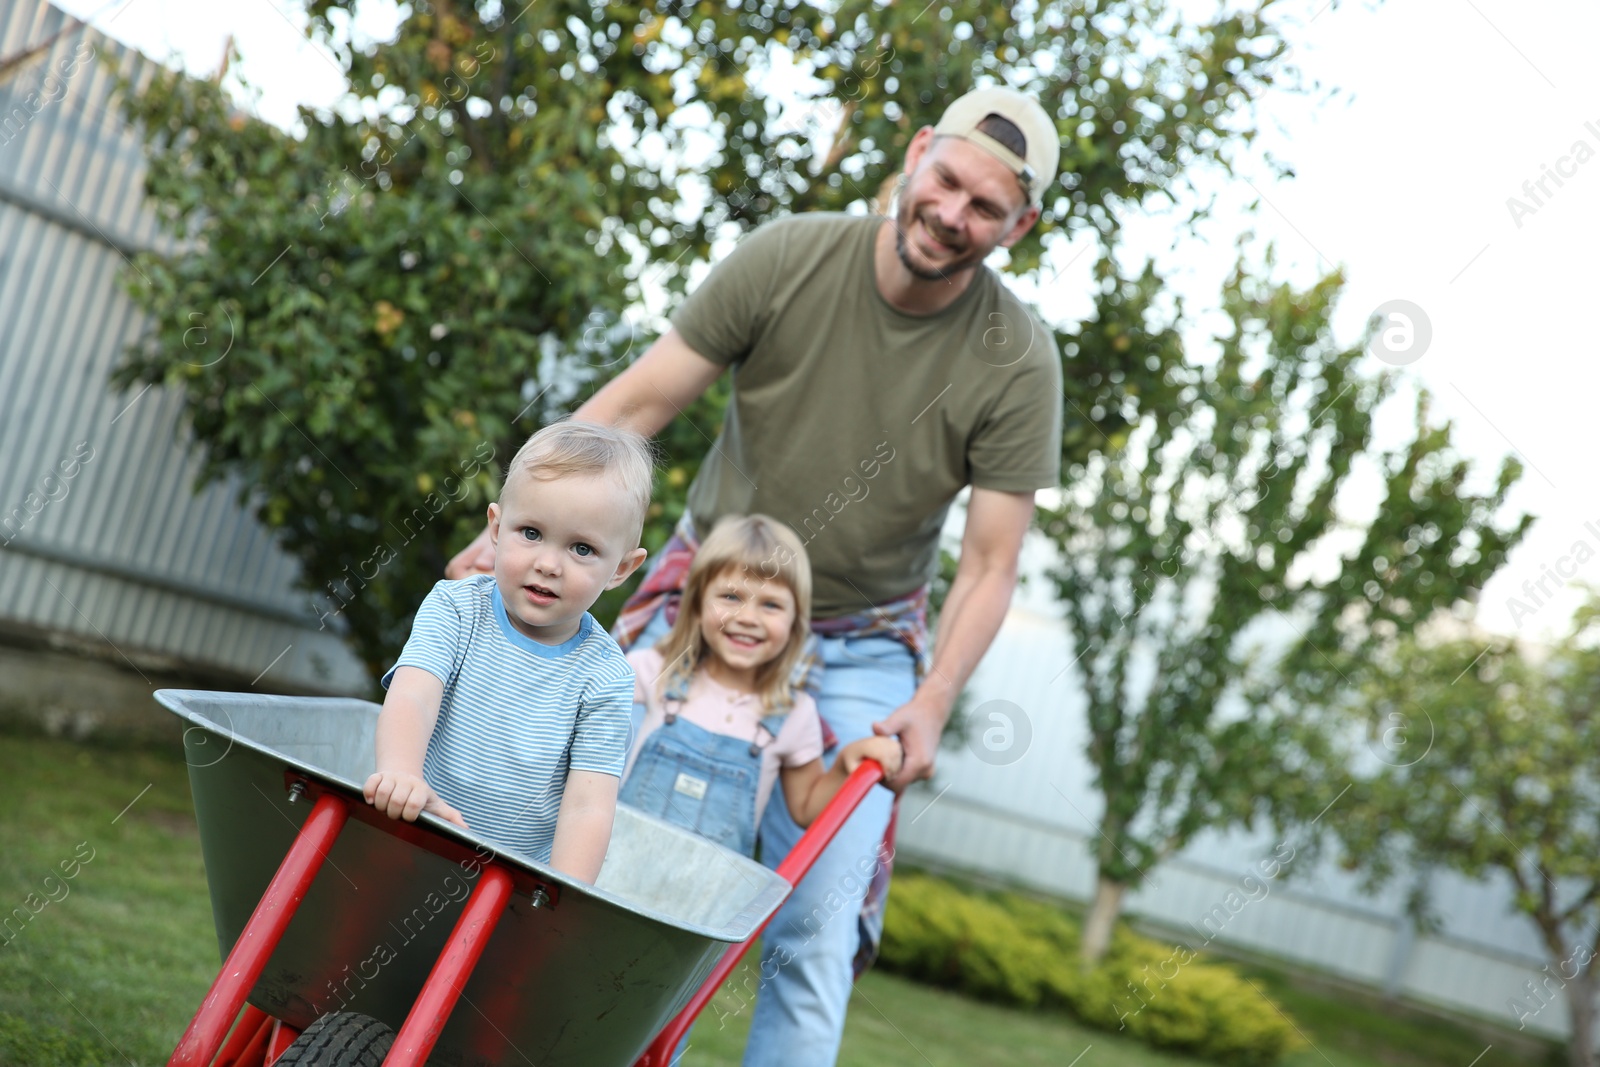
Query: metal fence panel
x=122 y=551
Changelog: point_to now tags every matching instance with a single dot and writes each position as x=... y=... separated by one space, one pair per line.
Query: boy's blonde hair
x=760 y=548
x=566 y=448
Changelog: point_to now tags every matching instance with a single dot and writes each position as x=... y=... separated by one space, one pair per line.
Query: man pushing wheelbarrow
x=878 y=368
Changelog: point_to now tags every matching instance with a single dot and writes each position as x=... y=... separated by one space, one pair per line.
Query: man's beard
x=931 y=274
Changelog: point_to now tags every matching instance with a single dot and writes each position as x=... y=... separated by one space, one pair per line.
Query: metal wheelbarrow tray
x=475 y=955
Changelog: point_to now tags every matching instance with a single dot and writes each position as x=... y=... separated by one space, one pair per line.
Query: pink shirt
x=721 y=710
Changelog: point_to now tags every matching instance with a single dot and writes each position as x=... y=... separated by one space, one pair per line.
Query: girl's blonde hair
x=760 y=548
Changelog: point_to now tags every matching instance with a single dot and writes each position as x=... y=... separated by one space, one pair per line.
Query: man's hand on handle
x=918 y=723
x=977 y=601
x=476 y=558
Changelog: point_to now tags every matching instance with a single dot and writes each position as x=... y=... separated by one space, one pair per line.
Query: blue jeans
x=807 y=950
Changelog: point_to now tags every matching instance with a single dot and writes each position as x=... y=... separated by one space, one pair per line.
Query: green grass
x=896 y=1021
x=1357 y=1028
x=112 y=971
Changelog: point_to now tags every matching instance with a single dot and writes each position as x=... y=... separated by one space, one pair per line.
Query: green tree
x=1505 y=780
x=1222 y=518
x=357 y=315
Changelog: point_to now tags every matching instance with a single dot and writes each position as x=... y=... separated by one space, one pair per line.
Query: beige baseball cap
x=1036 y=168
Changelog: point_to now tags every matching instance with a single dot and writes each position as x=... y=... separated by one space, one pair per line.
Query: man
x=878 y=368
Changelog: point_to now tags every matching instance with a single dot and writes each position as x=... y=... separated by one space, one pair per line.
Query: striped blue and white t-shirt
x=517 y=715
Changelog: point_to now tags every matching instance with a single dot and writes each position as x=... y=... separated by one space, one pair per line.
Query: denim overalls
x=700 y=780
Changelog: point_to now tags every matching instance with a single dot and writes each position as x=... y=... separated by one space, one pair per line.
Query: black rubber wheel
x=340 y=1039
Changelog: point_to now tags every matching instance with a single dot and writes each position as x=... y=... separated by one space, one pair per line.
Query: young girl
x=723 y=723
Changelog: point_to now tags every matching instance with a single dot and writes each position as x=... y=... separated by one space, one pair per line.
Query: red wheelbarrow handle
x=793 y=868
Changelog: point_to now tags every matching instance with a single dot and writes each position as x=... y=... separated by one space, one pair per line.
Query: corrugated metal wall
x=1032 y=822
x=101 y=536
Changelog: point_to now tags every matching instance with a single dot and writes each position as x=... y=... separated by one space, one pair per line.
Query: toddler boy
x=508 y=710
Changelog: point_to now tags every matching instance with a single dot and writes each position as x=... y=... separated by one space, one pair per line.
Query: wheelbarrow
x=354 y=939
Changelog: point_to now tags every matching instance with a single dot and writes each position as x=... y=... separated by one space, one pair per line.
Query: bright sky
x=1403 y=180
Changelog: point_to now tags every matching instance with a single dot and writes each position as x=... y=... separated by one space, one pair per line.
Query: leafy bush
x=1006 y=948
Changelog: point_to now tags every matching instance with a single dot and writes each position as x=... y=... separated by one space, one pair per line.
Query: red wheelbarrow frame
x=258 y=1039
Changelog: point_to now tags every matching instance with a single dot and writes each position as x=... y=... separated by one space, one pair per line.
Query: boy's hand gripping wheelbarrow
x=342 y=925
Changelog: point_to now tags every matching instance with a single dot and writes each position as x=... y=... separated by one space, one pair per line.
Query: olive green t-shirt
x=856 y=423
